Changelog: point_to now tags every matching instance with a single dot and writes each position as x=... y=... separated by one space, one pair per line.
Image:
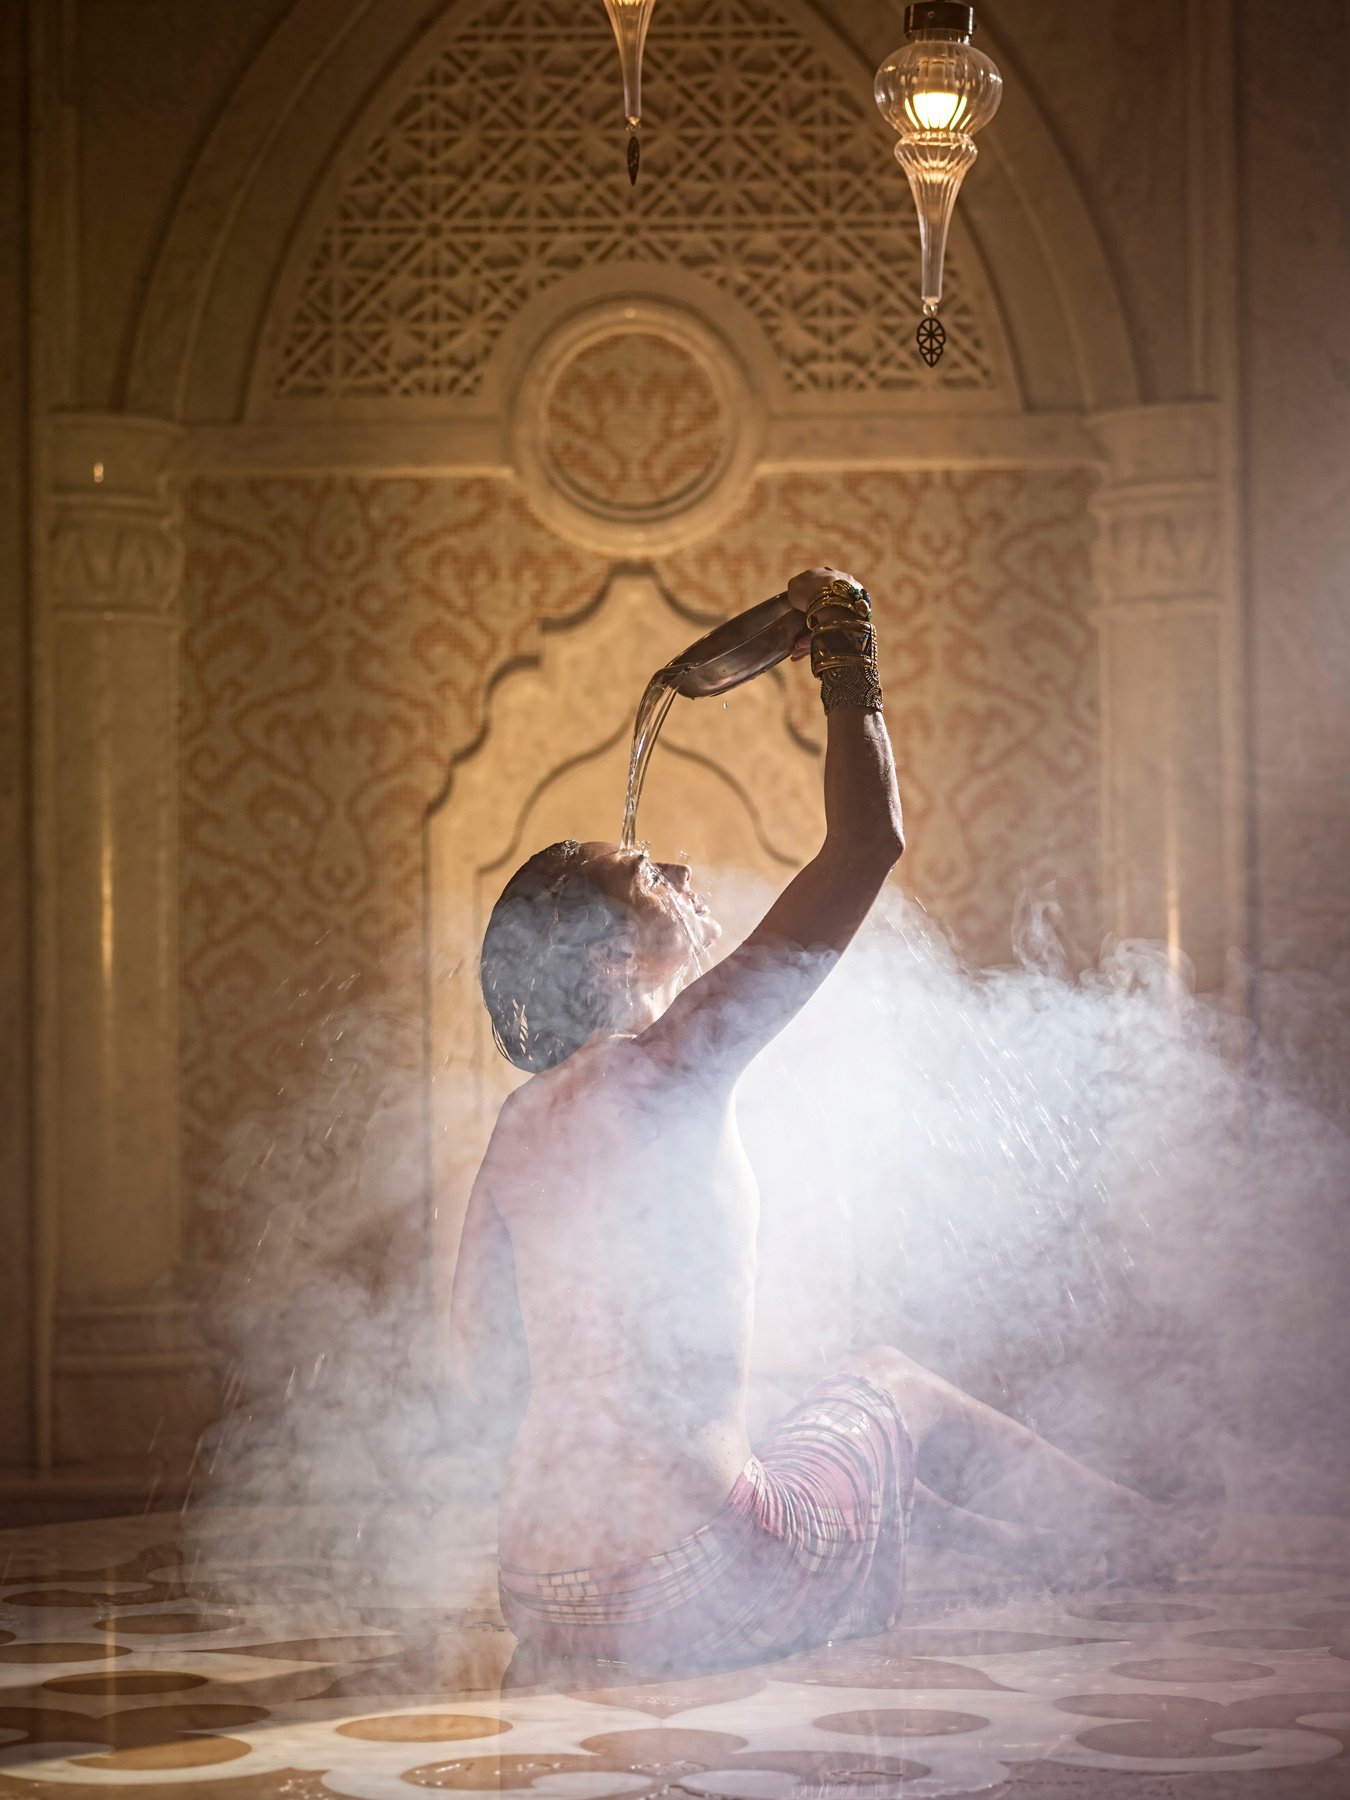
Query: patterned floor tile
x=138 y=1660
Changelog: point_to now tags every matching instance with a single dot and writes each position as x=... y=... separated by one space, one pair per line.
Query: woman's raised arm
x=720 y=1021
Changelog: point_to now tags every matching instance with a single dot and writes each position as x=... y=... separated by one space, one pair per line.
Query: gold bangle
x=841 y=587
x=844 y=600
x=835 y=645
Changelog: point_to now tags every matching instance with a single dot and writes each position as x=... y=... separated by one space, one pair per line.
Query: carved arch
x=215 y=280
x=443 y=218
x=568 y=713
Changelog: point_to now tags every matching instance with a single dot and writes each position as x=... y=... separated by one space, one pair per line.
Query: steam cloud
x=1072 y=1193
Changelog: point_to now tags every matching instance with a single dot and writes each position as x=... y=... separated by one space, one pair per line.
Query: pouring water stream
x=722 y=659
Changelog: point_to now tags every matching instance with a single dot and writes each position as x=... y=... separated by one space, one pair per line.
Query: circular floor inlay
x=167 y=1624
x=1255 y=1637
x=1331 y=1629
x=901 y=1722
x=1192 y=1670
x=797 y=1774
x=422 y=1728
x=900 y=1672
x=186 y=1753
x=1145 y=1612
x=665 y=1698
x=665 y=1753
x=125 y=1681
x=1174 y=1727
x=938 y=1640
x=1219 y=1587
x=66 y=1598
x=49 y=1653
x=322 y=1649
x=492 y=1774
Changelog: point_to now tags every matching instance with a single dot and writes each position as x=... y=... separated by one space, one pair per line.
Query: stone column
x=1170 y=697
x=108 y=902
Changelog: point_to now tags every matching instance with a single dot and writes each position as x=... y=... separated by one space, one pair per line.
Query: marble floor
x=242 y=1655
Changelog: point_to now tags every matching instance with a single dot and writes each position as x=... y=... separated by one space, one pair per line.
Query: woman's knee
x=916 y=1390
x=879 y=1362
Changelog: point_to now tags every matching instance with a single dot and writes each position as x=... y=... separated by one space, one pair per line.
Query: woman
x=612 y=1229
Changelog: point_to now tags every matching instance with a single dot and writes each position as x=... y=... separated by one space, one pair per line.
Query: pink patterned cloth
x=808 y=1545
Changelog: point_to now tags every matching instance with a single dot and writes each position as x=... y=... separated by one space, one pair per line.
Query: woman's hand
x=805 y=588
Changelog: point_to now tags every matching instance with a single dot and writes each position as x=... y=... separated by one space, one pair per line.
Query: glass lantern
x=629 y=20
x=936 y=92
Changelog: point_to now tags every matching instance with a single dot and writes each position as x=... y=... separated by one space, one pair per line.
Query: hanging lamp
x=629 y=20
x=937 y=92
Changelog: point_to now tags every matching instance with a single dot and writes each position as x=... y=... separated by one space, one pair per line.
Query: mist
x=1069 y=1189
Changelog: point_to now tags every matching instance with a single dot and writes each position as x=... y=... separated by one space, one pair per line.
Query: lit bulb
x=936 y=91
x=934 y=111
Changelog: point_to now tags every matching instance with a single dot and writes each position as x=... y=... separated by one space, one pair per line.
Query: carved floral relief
x=340 y=641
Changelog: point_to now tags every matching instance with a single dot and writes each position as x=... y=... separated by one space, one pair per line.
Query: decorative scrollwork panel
x=341 y=638
x=494 y=176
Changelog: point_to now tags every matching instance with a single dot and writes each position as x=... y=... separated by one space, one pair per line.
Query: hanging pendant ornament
x=937 y=92
x=931 y=337
x=629 y=20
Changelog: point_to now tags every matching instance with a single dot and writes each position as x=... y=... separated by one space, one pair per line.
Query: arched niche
x=257 y=192
x=731 y=789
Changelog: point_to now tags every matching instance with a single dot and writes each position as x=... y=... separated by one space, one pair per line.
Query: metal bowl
x=736 y=651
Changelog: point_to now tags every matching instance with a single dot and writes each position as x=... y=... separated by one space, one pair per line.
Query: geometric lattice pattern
x=340 y=640
x=765 y=172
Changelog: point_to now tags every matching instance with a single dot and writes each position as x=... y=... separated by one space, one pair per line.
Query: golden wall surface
x=388 y=378
x=341 y=639
x=17 y=1296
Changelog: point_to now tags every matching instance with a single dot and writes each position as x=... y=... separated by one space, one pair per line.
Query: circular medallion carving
x=633 y=425
x=634 y=429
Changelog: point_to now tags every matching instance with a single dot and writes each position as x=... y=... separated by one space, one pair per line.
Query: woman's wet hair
x=541 y=988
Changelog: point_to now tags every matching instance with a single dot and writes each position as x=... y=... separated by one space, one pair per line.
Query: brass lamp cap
x=939 y=15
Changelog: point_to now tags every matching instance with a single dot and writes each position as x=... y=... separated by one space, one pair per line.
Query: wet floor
x=253 y=1655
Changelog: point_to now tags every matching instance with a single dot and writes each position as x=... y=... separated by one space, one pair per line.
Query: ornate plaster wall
x=1124 y=83
x=163 y=65
x=1093 y=74
x=17 y=1311
x=338 y=639
x=482 y=177
x=1295 y=274
x=334 y=262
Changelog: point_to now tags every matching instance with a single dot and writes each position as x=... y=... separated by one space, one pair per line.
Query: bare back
x=632 y=1212
x=615 y=1213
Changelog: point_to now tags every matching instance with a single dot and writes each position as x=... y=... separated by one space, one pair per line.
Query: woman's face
x=673 y=922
